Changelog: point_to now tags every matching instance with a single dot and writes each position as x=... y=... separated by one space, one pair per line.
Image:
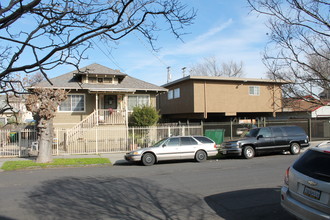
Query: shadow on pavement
x=248 y=204
x=112 y=198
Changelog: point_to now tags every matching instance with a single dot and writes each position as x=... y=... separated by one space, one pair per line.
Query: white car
x=175 y=148
x=306 y=193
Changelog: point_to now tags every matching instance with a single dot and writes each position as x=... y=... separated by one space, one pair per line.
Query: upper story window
x=100 y=80
x=73 y=103
x=177 y=93
x=173 y=94
x=254 y=90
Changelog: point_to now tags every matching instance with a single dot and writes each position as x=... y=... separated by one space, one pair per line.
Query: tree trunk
x=45 y=141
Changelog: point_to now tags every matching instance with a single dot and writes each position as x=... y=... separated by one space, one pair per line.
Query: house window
x=138 y=100
x=177 y=93
x=100 y=80
x=254 y=90
x=173 y=94
x=73 y=103
x=170 y=94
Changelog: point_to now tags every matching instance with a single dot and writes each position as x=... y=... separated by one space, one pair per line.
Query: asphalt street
x=217 y=189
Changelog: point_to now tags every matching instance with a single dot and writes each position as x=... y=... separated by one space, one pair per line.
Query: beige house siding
x=70 y=119
x=228 y=97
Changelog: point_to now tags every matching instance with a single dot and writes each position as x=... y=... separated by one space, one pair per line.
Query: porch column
x=97 y=108
x=126 y=108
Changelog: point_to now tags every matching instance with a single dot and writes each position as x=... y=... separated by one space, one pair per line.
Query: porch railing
x=89 y=122
x=111 y=117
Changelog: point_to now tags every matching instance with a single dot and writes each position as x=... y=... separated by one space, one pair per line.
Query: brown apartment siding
x=182 y=105
x=231 y=97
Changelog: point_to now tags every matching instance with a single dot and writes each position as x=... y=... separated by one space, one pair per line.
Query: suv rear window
x=314 y=164
x=293 y=130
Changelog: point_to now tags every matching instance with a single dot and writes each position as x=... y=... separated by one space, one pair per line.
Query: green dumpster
x=217 y=135
x=13 y=136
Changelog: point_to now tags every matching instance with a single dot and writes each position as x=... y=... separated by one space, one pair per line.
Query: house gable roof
x=72 y=80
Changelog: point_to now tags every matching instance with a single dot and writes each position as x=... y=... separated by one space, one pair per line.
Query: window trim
x=256 y=90
x=71 y=94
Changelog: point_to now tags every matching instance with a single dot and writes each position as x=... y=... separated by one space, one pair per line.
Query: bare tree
x=211 y=67
x=299 y=44
x=43 y=104
x=40 y=35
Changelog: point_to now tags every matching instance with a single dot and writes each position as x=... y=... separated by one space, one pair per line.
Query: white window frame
x=71 y=94
x=254 y=90
x=137 y=95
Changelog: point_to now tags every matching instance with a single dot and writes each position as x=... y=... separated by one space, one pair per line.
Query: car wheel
x=248 y=152
x=148 y=159
x=200 y=156
x=295 y=148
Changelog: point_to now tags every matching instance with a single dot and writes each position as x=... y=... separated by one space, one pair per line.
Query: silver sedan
x=175 y=148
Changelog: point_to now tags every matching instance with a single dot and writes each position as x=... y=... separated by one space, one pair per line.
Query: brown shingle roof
x=72 y=80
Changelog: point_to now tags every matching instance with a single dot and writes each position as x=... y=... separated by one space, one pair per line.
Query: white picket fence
x=91 y=140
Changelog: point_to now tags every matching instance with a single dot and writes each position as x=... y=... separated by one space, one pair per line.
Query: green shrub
x=144 y=116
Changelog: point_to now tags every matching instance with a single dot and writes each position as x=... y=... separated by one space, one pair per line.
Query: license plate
x=313 y=193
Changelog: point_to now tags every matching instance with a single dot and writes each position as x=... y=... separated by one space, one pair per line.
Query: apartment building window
x=170 y=94
x=177 y=93
x=173 y=94
x=254 y=90
x=73 y=103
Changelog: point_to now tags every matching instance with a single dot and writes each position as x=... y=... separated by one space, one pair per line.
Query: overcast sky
x=223 y=29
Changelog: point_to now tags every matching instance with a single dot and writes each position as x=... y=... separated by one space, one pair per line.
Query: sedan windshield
x=159 y=143
x=252 y=133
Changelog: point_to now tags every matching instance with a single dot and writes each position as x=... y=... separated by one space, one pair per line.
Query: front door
x=110 y=101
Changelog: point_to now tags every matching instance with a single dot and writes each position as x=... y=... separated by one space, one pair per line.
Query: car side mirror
x=260 y=136
x=164 y=145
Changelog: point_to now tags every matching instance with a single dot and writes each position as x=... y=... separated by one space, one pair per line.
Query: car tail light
x=326 y=151
x=215 y=146
x=286 y=177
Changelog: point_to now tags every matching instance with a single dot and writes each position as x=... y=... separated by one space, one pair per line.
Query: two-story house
x=218 y=98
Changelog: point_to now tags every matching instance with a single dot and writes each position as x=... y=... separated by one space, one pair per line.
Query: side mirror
x=164 y=145
x=260 y=136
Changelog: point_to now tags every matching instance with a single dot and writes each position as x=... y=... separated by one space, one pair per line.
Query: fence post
x=133 y=136
x=202 y=126
x=231 y=129
x=58 y=140
x=19 y=133
x=309 y=121
x=169 y=131
x=96 y=141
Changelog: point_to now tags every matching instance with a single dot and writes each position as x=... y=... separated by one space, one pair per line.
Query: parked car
x=175 y=148
x=306 y=193
x=267 y=139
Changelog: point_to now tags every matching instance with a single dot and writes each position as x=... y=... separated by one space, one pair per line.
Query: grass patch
x=67 y=162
